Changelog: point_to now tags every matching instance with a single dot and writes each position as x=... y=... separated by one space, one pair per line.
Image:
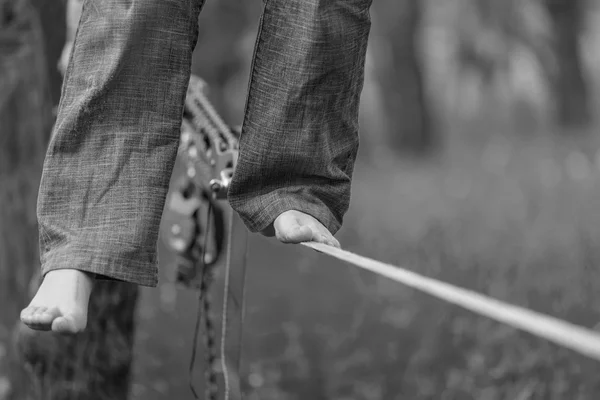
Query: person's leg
x=300 y=134
x=111 y=154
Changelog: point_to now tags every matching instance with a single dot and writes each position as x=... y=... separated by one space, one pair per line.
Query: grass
x=511 y=217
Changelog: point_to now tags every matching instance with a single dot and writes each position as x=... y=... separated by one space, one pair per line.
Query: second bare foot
x=295 y=227
x=61 y=302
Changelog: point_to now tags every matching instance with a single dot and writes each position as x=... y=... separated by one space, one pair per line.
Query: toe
x=294 y=234
x=45 y=316
x=39 y=318
x=39 y=311
x=27 y=313
x=333 y=242
x=325 y=239
x=296 y=227
x=68 y=324
x=322 y=235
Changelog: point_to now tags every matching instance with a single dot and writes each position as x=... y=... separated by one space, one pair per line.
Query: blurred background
x=479 y=165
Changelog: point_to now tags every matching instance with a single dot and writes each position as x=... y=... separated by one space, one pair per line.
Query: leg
x=111 y=154
x=300 y=133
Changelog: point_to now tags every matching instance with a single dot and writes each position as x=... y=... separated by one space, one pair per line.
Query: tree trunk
x=95 y=364
x=52 y=17
x=567 y=79
x=399 y=72
x=25 y=119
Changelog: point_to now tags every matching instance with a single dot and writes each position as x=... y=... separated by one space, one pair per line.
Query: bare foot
x=61 y=302
x=296 y=227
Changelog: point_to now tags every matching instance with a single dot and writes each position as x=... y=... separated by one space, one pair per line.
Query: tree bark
x=409 y=124
x=92 y=365
x=567 y=79
x=52 y=18
x=25 y=119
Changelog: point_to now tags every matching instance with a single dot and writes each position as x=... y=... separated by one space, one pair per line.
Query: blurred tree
x=52 y=17
x=25 y=119
x=92 y=365
x=566 y=79
x=396 y=31
x=493 y=34
x=227 y=30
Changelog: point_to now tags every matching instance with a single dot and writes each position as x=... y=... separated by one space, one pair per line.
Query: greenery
x=496 y=193
x=511 y=218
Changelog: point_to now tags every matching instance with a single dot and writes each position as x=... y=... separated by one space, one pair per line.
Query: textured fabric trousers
x=113 y=148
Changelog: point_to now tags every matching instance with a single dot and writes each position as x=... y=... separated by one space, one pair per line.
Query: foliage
x=505 y=214
x=489 y=219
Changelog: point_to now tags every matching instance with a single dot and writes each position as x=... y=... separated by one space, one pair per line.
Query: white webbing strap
x=574 y=337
